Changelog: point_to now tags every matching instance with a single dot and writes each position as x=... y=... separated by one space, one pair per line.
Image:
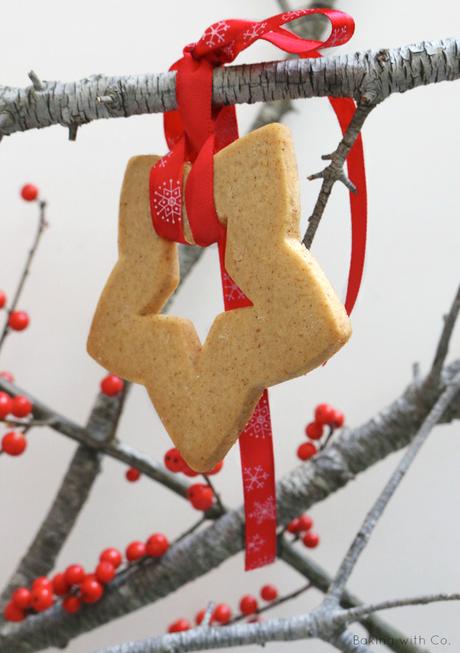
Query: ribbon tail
x=344 y=109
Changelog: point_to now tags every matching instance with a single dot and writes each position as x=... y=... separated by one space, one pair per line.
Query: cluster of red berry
x=75 y=586
x=14 y=443
x=325 y=415
x=19 y=320
x=301 y=527
x=222 y=613
x=200 y=495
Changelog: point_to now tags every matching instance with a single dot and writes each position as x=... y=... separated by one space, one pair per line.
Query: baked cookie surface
x=205 y=392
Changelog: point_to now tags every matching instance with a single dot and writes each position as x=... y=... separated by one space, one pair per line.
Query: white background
x=412 y=146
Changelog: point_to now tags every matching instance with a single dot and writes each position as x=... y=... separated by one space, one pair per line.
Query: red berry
x=22 y=407
x=13 y=613
x=132 y=474
x=111 y=555
x=248 y=604
x=314 y=430
x=14 y=443
x=135 y=551
x=293 y=526
x=21 y=598
x=71 y=604
x=157 y=545
x=188 y=471
x=60 y=585
x=91 y=590
x=200 y=616
x=306 y=451
x=216 y=469
x=42 y=581
x=195 y=490
x=324 y=414
x=6 y=404
x=310 y=539
x=112 y=385
x=2 y=299
x=7 y=376
x=201 y=496
x=179 y=625
x=104 y=572
x=338 y=419
x=269 y=592
x=29 y=192
x=173 y=460
x=42 y=599
x=222 y=613
x=305 y=523
x=18 y=320
x=74 y=574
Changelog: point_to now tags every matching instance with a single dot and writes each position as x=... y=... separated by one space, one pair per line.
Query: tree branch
x=372 y=518
x=75 y=488
x=374 y=74
x=356 y=614
x=352 y=452
x=319 y=578
x=334 y=171
x=444 y=341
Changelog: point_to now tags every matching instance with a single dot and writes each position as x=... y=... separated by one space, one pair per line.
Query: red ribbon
x=194 y=133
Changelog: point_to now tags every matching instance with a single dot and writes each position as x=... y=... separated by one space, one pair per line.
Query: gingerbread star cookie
x=206 y=392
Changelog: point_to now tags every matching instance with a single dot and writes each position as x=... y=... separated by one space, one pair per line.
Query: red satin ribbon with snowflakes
x=194 y=133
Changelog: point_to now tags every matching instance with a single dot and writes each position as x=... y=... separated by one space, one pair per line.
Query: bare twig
x=377 y=628
x=36 y=81
x=334 y=171
x=359 y=543
x=26 y=270
x=443 y=345
x=356 y=614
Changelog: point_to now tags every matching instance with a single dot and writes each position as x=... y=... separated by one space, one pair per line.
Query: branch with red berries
x=352 y=452
x=329 y=621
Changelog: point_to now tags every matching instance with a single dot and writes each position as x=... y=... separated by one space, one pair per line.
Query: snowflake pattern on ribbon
x=254 y=31
x=255 y=477
x=337 y=36
x=255 y=543
x=292 y=15
x=232 y=292
x=164 y=160
x=259 y=425
x=264 y=510
x=167 y=199
x=229 y=49
x=262 y=562
x=215 y=34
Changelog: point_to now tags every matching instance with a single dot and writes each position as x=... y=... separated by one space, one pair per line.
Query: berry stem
x=216 y=494
x=192 y=529
x=274 y=604
x=42 y=223
x=328 y=437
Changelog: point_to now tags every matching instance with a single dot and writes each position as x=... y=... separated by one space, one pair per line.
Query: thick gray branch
x=353 y=452
x=73 y=492
x=374 y=74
